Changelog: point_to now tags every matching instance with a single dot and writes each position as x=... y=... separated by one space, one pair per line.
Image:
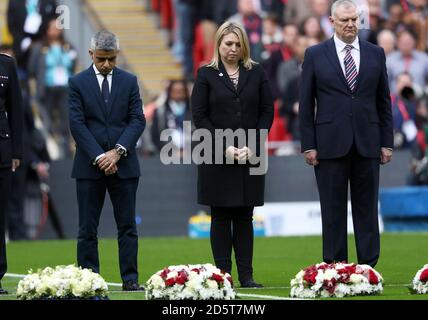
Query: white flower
x=172 y=275
x=61 y=282
x=418 y=286
x=198 y=285
x=356 y=278
x=330 y=274
x=338 y=285
x=212 y=284
x=157 y=281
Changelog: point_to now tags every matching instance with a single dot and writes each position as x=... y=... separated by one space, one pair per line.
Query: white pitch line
x=261 y=296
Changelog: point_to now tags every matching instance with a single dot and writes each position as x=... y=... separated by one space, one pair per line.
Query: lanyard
x=407 y=63
x=402 y=108
x=286 y=53
x=252 y=23
x=32 y=6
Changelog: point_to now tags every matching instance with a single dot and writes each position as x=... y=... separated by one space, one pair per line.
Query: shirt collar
x=99 y=73
x=340 y=45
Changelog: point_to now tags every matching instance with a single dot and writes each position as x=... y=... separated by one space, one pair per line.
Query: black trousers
x=232 y=227
x=5 y=190
x=15 y=211
x=90 y=197
x=333 y=176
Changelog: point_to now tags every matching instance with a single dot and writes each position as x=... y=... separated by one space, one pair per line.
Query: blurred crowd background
x=279 y=32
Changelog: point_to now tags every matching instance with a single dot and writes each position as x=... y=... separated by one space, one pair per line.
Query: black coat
x=217 y=105
x=11 y=113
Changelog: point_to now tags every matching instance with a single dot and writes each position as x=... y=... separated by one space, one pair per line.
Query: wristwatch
x=121 y=151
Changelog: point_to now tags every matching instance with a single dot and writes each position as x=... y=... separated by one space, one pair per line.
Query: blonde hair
x=228 y=28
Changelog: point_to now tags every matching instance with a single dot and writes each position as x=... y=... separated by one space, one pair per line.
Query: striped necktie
x=350 y=68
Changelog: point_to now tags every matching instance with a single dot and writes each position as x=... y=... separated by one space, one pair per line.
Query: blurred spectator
x=183 y=36
x=386 y=5
x=52 y=63
x=386 y=39
x=272 y=36
x=171 y=115
x=399 y=19
x=311 y=29
x=248 y=17
x=204 y=45
x=296 y=11
x=419 y=16
x=223 y=9
x=407 y=59
x=145 y=145
x=26 y=19
x=321 y=10
x=274 y=7
x=375 y=23
x=404 y=112
x=288 y=82
x=285 y=53
x=419 y=162
x=166 y=17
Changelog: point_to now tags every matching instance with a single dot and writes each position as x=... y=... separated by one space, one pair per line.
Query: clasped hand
x=108 y=162
x=244 y=153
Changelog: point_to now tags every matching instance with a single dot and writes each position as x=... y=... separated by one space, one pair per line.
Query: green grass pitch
x=276 y=261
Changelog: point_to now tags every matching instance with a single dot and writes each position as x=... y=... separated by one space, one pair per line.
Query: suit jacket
x=97 y=127
x=332 y=117
x=216 y=104
x=11 y=113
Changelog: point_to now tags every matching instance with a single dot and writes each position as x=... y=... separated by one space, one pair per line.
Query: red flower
x=181 y=278
x=330 y=285
x=326 y=266
x=345 y=273
x=170 y=282
x=196 y=270
x=372 y=277
x=230 y=280
x=310 y=275
x=164 y=273
x=217 y=278
x=424 y=276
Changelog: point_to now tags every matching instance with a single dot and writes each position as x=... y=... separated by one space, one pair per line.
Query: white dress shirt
x=341 y=52
x=100 y=78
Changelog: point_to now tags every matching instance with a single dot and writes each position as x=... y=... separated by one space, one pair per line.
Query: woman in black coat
x=232 y=92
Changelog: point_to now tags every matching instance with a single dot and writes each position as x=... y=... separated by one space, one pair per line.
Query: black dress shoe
x=132 y=286
x=250 y=283
x=2 y=291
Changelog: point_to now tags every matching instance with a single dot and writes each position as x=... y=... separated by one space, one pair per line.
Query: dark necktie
x=350 y=68
x=105 y=90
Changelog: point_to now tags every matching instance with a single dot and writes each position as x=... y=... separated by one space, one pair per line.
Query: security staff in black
x=11 y=149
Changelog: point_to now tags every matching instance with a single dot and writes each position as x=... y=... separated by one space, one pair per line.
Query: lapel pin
x=221 y=74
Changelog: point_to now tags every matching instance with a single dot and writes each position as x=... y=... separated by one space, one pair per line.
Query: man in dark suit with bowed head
x=106 y=120
x=11 y=148
x=346 y=131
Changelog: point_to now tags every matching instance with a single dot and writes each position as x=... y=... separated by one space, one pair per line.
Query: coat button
x=238 y=100
x=350 y=114
x=238 y=113
x=353 y=97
